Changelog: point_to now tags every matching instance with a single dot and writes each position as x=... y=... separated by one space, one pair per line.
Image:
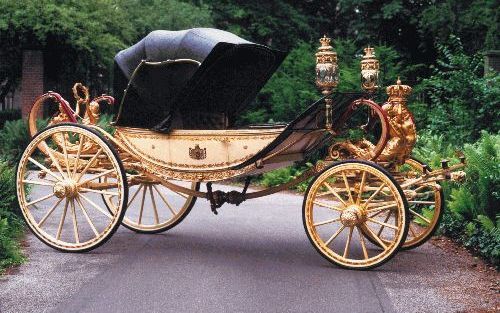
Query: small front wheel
x=344 y=203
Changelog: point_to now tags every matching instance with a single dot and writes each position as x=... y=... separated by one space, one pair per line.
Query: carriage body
x=178 y=98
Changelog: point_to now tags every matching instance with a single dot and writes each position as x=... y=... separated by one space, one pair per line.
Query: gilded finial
x=325 y=44
x=369 y=53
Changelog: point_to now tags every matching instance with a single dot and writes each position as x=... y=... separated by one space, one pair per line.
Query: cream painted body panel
x=197 y=150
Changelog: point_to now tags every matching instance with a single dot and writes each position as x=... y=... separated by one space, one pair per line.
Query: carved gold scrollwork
x=401 y=127
x=402 y=130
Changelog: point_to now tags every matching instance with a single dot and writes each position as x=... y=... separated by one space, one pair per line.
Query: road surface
x=251 y=258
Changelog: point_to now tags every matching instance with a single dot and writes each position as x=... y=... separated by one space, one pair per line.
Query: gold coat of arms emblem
x=197 y=153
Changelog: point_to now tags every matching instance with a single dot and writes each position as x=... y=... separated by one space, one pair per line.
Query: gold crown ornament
x=370 y=68
x=398 y=92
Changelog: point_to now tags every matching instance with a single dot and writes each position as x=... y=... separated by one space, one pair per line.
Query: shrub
x=9 y=115
x=472 y=214
x=11 y=226
x=14 y=138
x=480 y=194
x=284 y=175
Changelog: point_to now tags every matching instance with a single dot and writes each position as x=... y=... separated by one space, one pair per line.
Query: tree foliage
x=80 y=38
x=462 y=101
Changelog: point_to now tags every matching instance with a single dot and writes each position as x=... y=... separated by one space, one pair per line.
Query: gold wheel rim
x=421 y=225
x=345 y=199
x=66 y=213
x=165 y=206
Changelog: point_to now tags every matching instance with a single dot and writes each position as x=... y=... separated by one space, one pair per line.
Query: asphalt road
x=251 y=258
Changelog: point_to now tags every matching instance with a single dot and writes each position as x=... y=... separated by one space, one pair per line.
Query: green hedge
x=11 y=225
x=9 y=115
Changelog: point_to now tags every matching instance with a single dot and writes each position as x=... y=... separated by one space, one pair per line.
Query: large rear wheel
x=59 y=191
x=344 y=203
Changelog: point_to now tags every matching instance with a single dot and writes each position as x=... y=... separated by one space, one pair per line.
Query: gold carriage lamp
x=370 y=68
x=327 y=75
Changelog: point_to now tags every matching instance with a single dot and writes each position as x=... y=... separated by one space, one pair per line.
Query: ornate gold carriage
x=180 y=94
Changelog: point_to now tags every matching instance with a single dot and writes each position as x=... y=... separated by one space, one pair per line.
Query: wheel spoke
x=157 y=220
x=61 y=222
x=77 y=161
x=421 y=202
x=80 y=204
x=40 y=199
x=348 y=242
x=135 y=195
x=75 y=222
x=412 y=231
x=361 y=187
x=52 y=209
x=347 y=187
x=55 y=161
x=102 y=192
x=46 y=170
x=66 y=155
x=420 y=216
x=334 y=193
x=41 y=183
x=327 y=206
x=142 y=205
x=385 y=221
x=374 y=194
x=333 y=220
x=335 y=235
x=384 y=207
x=96 y=176
x=165 y=200
x=378 y=213
x=362 y=240
x=382 y=223
x=98 y=208
x=85 y=169
x=377 y=238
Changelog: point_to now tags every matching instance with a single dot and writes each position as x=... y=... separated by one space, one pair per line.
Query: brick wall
x=31 y=80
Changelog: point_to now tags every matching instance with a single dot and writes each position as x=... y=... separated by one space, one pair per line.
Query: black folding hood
x=152 y=90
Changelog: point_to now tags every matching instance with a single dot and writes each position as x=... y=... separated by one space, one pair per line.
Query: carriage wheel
x=153 y=208
x=343 y=203
x=425 y=205
x=59 y=191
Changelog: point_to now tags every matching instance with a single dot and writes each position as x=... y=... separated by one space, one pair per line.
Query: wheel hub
x=351 y=216
x=66 y=188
